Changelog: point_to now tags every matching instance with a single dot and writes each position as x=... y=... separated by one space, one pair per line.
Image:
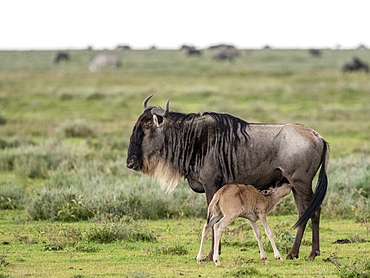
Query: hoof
x=217 y=263
x=292 y=257
x=313 y=255
x=279 y=259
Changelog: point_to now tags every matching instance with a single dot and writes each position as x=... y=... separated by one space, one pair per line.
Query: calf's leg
x=218 y=227
x=207 y=228
x=268 y=232
x=257 y=235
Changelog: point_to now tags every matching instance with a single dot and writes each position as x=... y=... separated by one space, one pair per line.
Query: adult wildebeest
x=355 y=64
x=187 y=47
x=210 y=150
x=227 y=54
x=61 y=56
x=105 y=59
x=221 y=46
x=123 y=47
x=194 y=52
x=315 y=52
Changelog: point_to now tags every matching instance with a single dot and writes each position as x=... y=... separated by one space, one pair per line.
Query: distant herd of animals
x=224 y=52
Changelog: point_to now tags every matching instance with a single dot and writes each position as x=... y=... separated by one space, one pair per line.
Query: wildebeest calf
x=239 y=200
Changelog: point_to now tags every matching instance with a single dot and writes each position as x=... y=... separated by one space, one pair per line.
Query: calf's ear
x=158 y=120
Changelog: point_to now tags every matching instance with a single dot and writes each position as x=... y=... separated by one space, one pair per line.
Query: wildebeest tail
x=213 y=209
x=320 y=192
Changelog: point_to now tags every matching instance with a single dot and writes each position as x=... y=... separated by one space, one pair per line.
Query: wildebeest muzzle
x=133 y=163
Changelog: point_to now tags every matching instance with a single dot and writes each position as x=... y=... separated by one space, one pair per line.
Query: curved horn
x=160 y=111
x=146 y=101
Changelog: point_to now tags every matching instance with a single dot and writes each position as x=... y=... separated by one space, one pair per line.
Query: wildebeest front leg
x=210 y=190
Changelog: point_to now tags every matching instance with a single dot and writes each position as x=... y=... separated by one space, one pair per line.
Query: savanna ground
x=70 y=208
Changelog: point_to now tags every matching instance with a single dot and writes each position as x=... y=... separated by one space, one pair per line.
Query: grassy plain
x=173 y=253
x=64 y=133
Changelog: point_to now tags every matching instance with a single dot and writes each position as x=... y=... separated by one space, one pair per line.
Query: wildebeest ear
x=157 y=120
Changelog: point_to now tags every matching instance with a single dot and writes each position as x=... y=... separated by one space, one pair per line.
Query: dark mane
x=189 y=138
x=225 y=121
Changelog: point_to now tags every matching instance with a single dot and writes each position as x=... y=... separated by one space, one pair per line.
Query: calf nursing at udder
x=239 y=200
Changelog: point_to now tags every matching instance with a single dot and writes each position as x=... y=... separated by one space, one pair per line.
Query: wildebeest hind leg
x=297 y=243
x=302 y=193
x=315 y=220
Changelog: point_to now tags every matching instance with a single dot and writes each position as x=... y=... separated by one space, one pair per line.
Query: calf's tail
x=320 y=192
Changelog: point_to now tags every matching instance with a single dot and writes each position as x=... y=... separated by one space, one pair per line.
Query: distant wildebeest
x=362 y=47
x=191 y=50
x=194 y=52
x=105 y=59
x=187 y=47
x=221 y=46
x=210 y=150
x=239 y=200
x=315 y=52
x=123 y=47
x=226 y=54
x=61 y=56
x=355 y=64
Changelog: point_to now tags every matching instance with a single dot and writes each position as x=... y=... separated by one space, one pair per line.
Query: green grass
x=32 y=249
x=64 y=133
x=261 y=86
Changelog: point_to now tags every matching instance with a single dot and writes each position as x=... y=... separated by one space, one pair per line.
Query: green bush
x=349 y=187
x=129 y=231
x=59 y=237
x=3 y=119
x=11 y=196
x=76 y=128
x=36 y=161
x=90 y=192
x=177 y=250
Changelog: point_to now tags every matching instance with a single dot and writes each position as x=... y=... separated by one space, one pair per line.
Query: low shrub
x=74 y=196
x=11 y=196
x=358 y=268
x=76 y=128
x=129 y=231
x=177 y=250
x=36 y=161
x=245 y=271
x=349 y=188
x=61 y=236
x=3 y=120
